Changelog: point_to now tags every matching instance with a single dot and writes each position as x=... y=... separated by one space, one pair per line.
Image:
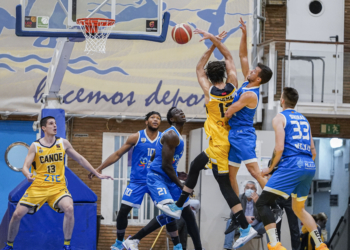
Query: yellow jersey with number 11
x=216 y=126
x=48 y=165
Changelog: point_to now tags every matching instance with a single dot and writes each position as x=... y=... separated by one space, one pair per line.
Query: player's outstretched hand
x=222 y=35
x=30 y=177
x=206 y=35
x=92 y=175
x=102 y=176
x=243 y=26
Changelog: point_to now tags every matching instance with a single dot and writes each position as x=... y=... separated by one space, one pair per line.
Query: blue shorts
x=163 y=191
x=243 y=143
x=134 y=193
x=293 y=177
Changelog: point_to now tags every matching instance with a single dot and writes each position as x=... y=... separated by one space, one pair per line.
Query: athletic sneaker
x=66 y=247
x=118 y=245
x=130 y=244
x=278 y=213
x=277 y=247
x=321 y=247
x=7 y=247
x=171 y=210
x=178 y=247
x=232 y=226
x=246 y=235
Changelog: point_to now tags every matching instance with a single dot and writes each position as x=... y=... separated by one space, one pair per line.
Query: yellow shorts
x=36 y=196
x=218 y=157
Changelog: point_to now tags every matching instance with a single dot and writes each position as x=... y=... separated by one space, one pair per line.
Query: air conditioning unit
x=276 y=2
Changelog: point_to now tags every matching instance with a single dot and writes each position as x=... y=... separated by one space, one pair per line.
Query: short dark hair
x=290 y=96
x=44 y=120
x=169 y=115
x=215 y=71
x=149 y=114
x=265 y=73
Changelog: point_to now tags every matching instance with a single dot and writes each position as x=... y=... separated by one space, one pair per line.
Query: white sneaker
x=130 y=244
x=171 y=210
x=246 y=235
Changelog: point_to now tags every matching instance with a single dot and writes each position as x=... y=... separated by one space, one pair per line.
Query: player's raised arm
x=28 y=162
x=243 y=51
x=278 y=126
x=81 y=160
x=170 y=141
x=201 y=75
x=130 y=142
x=230 y=66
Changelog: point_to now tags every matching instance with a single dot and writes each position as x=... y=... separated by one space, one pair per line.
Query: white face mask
x=248 y=192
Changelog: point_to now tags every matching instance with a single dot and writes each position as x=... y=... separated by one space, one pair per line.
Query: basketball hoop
x=96 y=32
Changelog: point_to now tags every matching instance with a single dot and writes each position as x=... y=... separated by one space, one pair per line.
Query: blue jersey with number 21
x=297 y=135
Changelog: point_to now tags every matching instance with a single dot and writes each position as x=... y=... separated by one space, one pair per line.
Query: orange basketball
x=181 y=33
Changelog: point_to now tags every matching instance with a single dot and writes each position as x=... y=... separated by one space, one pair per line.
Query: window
x=316 y=7
x=112 y=191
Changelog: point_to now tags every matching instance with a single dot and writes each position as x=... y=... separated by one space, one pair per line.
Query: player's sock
x=183 y=197
x=273 y=236
x=240 y=217
x=10 y=243
x=316 y=237
x=175 y=240
x=149 y=228
x=67 y=242
x=120 y=234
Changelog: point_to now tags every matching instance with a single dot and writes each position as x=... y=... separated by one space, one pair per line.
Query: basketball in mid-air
x=181 y=33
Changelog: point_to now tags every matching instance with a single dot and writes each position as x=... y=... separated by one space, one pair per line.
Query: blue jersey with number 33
x=297 y=140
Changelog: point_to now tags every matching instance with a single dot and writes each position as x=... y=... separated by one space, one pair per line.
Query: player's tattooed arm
x=278 y=126
x=70 y=151
x=170 y=141
x=130 y=142
x=243 y=51
x=313 y=149
x=28 y=162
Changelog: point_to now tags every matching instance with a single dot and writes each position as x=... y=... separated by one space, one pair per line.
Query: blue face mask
x=248 y=192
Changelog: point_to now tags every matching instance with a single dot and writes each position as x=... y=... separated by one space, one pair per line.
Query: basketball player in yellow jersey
x=218 y=93
x=46 y=159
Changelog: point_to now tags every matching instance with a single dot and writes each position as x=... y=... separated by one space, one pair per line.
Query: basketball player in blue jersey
x=293 y=158
x=165 y=186
x=143 y=143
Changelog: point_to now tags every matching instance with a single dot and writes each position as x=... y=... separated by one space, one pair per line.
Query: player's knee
x=69 y=210
x=172 y=228
x=18 y=215
x=254 y=173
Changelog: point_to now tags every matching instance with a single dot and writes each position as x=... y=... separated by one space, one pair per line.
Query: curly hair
x=216 y=71
x=148 y=115
x=169 y=115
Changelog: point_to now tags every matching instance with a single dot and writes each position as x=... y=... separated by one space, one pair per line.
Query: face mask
x=248 y=193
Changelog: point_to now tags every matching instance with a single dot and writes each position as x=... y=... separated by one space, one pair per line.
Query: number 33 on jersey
x=48 y=164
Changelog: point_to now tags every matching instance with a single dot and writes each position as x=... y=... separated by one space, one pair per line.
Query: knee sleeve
x=196 y=166
x=263 y=204
x=192 y=227
x=122 y=217
x=164 y=219
x=226 y=189
x=171 y=227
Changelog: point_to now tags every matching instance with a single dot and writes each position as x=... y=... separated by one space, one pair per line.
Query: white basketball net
x=97 y=39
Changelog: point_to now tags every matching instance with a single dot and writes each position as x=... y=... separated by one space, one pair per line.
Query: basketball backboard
x=138 y=19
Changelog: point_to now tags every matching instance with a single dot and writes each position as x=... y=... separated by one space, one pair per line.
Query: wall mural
x=133 y=77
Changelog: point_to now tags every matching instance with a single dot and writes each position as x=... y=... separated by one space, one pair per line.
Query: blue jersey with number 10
x=141 y=154
x=297 y=140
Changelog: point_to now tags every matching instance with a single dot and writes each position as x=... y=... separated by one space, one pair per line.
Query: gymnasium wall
x=133 y=77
